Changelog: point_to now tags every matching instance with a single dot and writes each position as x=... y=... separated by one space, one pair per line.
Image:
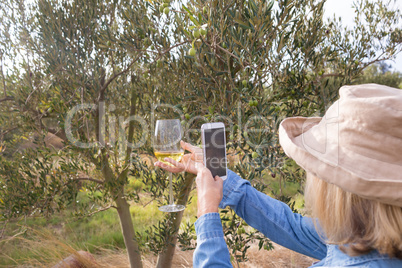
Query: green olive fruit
x=166 y=1
x=239 y=232
x=108 y=43
x=161 y=7
x=320 y=73
x=245 y=134
x=147 y=42
x=187 y=116
x=165 y=5
x=255 y=103
x=235 y=128
x=244 y=82
x=166 y=10
x=224 y=45
x=251 y=103
x=203 y=32
x=293 y=92
x=152 y=47
x=192 y=52
x=254 y=155
x=231 y=137
x=196 y=33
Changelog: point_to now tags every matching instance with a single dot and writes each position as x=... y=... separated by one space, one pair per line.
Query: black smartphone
x=214 y=148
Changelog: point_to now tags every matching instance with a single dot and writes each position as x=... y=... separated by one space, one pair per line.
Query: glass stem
x=171 y=201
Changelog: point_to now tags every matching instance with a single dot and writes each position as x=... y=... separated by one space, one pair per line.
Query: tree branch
x=245 y=63
x=2 y=74
x=110 y=80
x=178 y=44
x=88 y=179
x=100 y=210
x=331 y=75
x=8 y=98
x=133 y=111
x=4 y=229
x=170 y=48
x=2 y=134
x=149 y=202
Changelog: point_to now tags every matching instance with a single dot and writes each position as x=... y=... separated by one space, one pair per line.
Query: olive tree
x=98 y=74
x=252 y=63
x=85 y=79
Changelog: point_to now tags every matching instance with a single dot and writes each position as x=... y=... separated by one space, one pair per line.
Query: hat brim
x=332 y=163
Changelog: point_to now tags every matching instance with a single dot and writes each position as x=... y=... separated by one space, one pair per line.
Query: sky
x=343 y=9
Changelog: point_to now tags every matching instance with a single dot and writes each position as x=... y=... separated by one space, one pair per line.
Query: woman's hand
x=209 y=190
x=188 y=161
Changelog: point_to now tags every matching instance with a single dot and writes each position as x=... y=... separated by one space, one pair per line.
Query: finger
x=185 y=158
x=174 y=162
x=187 y=146
x=199 y=166
x=218 y=179
x=183 y=165
x=167 y=167
x=188 y=163
x=197 y=156
x=219 y=182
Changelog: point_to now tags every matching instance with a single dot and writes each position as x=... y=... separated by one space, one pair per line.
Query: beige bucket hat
x=357 y=145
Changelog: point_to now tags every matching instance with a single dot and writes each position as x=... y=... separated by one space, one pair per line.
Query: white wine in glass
x=168 y=134
x=175 y=155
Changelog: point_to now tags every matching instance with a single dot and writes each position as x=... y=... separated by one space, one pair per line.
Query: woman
x=353 y=160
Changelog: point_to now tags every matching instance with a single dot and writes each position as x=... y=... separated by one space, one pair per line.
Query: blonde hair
x=358 y=225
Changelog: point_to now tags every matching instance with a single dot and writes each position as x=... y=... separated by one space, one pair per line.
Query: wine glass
x=167 y=138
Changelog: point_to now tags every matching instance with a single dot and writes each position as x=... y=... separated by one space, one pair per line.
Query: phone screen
x=215 y=152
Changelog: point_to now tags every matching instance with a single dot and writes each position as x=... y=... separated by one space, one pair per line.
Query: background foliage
x=247 y=63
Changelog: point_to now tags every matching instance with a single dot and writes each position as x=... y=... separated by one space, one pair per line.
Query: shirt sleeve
x=271 y=217
x=211 y=250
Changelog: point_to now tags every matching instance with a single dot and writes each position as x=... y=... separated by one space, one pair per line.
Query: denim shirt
x=276 y=221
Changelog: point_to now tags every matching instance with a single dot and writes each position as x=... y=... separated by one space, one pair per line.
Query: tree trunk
x=165 y=258
x=133 y=252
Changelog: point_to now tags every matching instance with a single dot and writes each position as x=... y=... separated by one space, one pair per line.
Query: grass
x=41 y=240
x=102 y=230
x=97 y=233
x=37 y=248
